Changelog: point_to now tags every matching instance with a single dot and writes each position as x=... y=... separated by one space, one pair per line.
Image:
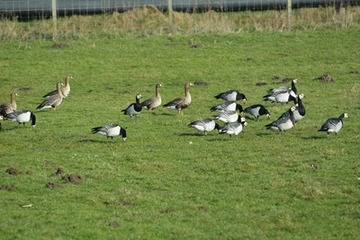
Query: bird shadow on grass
x=195 y=134
x=106 y=141
x=266 y=133
x=313 y=137
x=211 y=137
x=225 y=138
x=16 y=128
x=166 y=114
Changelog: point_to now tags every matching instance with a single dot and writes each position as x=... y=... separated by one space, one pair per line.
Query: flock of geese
x=229 y=112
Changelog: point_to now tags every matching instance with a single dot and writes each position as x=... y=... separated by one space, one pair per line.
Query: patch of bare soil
x=168 y=210
x=59 y=171
x=325 y=78
x=114 y=224
x=59 y=45
x=200 y=83
x=53 y=185
x=72 y=178
x=12 y=171
x=281 y=79
x=8 y=187
x=260 y=84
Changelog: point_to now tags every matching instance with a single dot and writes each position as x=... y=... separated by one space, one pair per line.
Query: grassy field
x=167 y=181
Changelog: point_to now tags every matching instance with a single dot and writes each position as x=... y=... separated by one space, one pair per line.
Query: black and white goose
x=227 y=106
x=6 y=108
x=205 y=125
x=228 y=116
x=153 y=102
x=135 y=108
x=110 y=131
x=285 y=122
x=333 y=125
x=299 y=112
x=65 y=88
x=257 y=110
x=234 y=128
x=22 y=117
x=231 y=95
x=282 y=94
x=52 y=101
x=183 y=102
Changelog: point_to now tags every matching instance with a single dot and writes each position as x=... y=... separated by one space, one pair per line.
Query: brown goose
x=153 y=102
x=181 y=103
x=7 y=108
x=65 y=89
x=52 y=101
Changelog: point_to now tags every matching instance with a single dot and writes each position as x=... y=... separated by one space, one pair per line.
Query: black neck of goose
x=299 y=101
x=123 y=133
x=239 y=108
x=292 y=118
x=137 y=100
x=33 y=119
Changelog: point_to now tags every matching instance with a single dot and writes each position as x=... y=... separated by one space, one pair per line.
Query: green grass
x=157 y=185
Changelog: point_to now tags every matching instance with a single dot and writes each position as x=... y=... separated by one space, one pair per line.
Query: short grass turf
x=167 y=181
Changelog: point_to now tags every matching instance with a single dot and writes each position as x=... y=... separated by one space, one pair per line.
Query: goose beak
x=124 y=139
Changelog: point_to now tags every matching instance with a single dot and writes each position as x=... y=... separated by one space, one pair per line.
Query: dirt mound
x=12 y=171
x=8 y=187
x=72 y=178
x=325 y=78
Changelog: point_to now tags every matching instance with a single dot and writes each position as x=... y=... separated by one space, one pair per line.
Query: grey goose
x=6 y=108
x=153 y=102
x=52 y=101
x=65 y=88
x=183 y=102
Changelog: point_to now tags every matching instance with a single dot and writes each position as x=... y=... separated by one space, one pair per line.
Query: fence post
x=289 y=9
x=54 y=17
x=170 y=10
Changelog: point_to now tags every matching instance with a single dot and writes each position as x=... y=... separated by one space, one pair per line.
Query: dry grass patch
x=149 y=21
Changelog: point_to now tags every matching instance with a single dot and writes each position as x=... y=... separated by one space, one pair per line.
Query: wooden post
x=342 y=8
x=54 y=17
x=289 y=10
x=170 y=10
